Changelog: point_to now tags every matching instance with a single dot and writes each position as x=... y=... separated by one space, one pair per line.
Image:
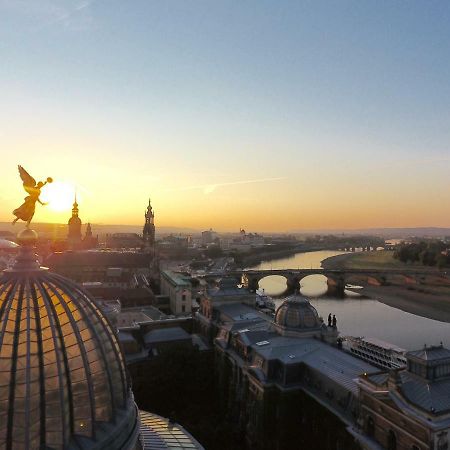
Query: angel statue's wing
x=28 y=180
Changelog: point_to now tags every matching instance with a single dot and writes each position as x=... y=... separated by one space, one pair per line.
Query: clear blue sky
x=338 y=106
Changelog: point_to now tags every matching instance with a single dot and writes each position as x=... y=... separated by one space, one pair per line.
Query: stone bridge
x=336 y=278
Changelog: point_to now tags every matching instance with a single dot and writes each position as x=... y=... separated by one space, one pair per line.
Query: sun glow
x=59 y=195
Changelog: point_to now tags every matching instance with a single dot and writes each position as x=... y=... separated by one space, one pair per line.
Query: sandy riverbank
x=431 y=299
x=432 y=306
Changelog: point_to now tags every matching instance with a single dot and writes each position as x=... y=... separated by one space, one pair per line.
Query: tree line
x=428 y=253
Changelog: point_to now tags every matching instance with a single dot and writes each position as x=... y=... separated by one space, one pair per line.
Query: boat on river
x=375 y=351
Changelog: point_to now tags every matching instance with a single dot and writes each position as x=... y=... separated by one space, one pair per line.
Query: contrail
x=64 y=16
x=209 y=188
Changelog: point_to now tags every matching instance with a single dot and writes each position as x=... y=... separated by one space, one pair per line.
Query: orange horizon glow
x=266 y=206
x=291 y=117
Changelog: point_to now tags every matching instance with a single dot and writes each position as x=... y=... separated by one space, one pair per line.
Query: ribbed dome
x=297 y=313
x=63 y=382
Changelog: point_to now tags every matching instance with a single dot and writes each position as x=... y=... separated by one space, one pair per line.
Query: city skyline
x=271 y=117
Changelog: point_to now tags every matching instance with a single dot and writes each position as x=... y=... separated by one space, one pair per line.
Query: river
x=356 y=316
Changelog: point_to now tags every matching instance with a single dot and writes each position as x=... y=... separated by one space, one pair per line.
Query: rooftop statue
x=25 y=212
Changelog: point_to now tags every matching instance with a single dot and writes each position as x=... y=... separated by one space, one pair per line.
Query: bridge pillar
x=336 y=286
x=250 y=283
x=293 y=284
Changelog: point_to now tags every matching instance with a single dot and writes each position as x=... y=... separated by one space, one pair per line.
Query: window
x=370 y=427
x=392 y=441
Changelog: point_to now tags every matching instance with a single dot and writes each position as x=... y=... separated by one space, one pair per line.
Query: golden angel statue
x=25 y=212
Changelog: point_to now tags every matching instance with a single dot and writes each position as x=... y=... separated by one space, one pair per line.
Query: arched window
x=370 y=427
x=392 y=441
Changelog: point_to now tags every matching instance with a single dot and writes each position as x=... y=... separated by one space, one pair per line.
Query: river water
x=356 y=316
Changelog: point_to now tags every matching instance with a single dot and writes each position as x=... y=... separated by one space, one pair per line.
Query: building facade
x=285 y=383
x=408 y=408
x=178 y=288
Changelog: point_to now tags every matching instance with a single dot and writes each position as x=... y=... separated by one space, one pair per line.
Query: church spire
x=149 y=227
x=75 y=206
x=74 y=233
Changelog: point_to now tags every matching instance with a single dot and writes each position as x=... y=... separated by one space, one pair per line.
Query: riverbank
x=257 y=258
x=429 y=299
x=382 y=259
x=434 y=306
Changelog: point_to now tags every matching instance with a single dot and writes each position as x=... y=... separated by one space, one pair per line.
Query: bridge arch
x=314 y=285
x=274 y=284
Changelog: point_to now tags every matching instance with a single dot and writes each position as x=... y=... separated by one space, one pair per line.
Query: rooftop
x=335 y=364
x=99 y=258
x=239 y=312
x=166 y=335
x=176 y=278
x=432 y=397
x=433 y=353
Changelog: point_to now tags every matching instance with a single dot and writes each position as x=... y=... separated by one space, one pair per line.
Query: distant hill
x=393 y=233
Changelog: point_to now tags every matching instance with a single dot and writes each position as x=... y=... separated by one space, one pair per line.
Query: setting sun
x=59 y=195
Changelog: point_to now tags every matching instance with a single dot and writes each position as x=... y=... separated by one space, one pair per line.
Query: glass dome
x=297 y=313
x=63 y=382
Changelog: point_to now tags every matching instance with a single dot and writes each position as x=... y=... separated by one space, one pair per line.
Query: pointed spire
x=75 y=206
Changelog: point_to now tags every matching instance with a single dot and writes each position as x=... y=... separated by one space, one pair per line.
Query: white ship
x=375 y=351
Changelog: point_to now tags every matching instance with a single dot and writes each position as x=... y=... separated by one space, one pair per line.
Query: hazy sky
x=267 y=115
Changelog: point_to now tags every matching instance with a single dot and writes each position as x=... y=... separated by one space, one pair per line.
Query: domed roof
x=63 y=383
x=7 y=245
x=74 y=220
x=297 y=313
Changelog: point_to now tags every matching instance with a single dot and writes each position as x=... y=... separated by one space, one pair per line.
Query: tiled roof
x=166 y=334
x=238 y=312
x=431 y=396
x=430 y=353
x=330 y=361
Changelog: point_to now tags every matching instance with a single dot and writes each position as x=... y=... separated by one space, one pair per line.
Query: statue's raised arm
x=25 y=211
